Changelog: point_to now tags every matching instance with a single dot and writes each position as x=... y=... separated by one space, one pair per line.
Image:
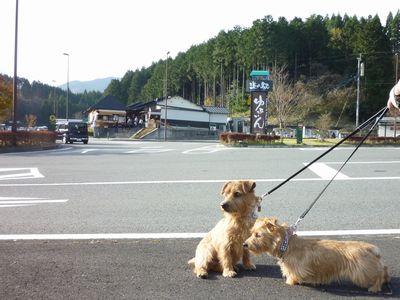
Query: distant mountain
x=77 y=86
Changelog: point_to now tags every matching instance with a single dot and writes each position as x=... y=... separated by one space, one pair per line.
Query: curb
x=27 y=149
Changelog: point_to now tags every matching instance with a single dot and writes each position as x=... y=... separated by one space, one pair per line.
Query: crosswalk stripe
x=326 y=172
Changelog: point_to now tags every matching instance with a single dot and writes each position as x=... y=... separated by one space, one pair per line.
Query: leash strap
x=340 y=169
x=380 y=113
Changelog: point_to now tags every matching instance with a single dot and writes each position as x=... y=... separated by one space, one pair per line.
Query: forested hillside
x=313 y=63
x=319 y=54
x=42 y=100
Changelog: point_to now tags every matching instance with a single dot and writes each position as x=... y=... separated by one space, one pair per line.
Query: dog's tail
x=191 y=262
x=376 y=251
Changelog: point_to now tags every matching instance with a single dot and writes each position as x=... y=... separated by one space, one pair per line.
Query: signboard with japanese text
x=258 y=112
x=258 y=85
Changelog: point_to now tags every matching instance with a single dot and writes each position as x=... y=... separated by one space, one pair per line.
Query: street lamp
x=66 y=104
x=397 y=67
x=360 y=72
x=166 y=97
x=54 y=98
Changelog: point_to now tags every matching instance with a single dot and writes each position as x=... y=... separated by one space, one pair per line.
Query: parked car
x=72 y=131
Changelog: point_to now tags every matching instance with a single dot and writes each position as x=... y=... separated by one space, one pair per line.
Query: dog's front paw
x=291 y=281
x=202 y=275
x=250 y=267
x=229 y=273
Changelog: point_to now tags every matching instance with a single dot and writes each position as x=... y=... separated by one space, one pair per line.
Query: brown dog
x=317 y=261
x=222 y=247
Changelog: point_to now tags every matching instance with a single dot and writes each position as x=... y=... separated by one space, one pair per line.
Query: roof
x=139 y=106
x=109 y=102
x=133 y=106
x=389 y=120
x=216 y=110
x=259 y=73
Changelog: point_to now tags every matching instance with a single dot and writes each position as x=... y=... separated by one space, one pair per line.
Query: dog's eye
x=236 y=194
x=258 y=235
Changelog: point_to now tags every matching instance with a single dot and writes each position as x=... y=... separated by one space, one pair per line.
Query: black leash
x=383 y=112
x=379 y=114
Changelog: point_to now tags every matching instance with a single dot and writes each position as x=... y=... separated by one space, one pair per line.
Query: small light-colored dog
x=222 y=247
x=316 y=261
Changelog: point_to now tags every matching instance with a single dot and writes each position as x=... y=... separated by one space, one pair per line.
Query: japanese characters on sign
x=258 y=111
x=259 y=85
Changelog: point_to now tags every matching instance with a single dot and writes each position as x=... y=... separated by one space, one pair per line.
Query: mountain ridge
x=77 y=86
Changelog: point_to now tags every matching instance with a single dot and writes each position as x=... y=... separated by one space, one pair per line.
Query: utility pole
x=166 y=98
x=358 y=89
x=15 y=95
x=397 y=78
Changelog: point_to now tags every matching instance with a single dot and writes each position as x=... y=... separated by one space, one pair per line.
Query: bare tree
x=284 y=98
x=307 y=104
x=323 y=125
x=30 y=120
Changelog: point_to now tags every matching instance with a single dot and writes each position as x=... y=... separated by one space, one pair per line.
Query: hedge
x=27 y=138
x=375 y=140
x=237 y=137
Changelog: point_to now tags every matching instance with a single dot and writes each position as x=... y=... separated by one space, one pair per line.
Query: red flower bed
x=237 y=137
x=27 y=138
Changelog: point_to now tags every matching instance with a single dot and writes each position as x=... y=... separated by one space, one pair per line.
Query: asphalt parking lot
x=155 y=269
x=121 y=220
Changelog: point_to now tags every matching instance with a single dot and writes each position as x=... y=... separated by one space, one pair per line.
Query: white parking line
x=177 y=235
x=20 y=173
x=14 y=205
x=326 y=172
x=324 y=148
x=363 y=162
x=148 y=150
x=191 y=181
x=23 y=201
x=88 y=150
x=206 y=149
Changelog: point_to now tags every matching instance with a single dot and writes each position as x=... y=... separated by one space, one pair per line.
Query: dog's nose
x=245 y=245
x=224 y=206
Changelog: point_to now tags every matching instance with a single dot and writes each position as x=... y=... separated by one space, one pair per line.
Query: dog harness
x=254 y=214
x=285 y=243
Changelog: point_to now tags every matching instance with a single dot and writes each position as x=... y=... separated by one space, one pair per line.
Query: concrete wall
x=185 y=115
x=182 y=133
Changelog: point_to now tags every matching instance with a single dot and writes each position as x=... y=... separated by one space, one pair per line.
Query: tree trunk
x=243 y=81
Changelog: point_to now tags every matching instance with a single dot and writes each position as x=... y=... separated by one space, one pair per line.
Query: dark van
x=73 y=131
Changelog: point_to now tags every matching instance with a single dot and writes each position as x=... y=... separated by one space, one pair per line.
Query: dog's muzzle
x=225 y=206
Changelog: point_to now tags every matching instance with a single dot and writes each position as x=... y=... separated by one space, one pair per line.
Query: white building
x=389 y=127
x=183 y=113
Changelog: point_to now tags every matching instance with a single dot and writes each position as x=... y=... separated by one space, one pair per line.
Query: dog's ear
x=224 y=187
x=274 y=220
x=271 y=223
x=270 y=226
x=248 y=186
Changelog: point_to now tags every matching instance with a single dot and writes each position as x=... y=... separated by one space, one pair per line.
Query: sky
x=109 y=37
